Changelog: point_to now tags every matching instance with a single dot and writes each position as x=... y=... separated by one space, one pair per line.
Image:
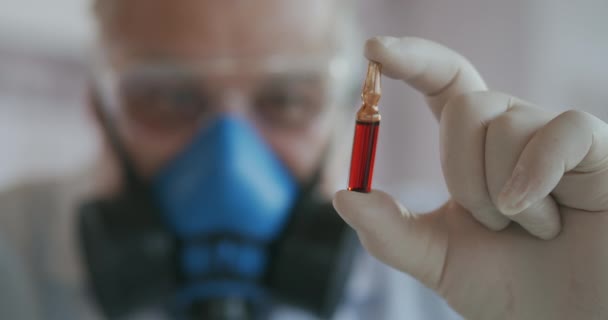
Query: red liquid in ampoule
x=364 y=153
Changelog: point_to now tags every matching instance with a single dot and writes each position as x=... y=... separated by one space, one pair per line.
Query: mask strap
x=132 y=179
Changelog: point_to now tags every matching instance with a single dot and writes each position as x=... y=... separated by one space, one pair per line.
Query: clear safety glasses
x=282 y=92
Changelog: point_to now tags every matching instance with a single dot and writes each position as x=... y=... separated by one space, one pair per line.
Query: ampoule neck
x=368 y=113
x=371 y=91
x=370 y=98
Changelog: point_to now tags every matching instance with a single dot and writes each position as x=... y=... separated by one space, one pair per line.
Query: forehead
x=196 y=29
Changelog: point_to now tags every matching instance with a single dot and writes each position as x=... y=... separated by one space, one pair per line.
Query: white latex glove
x=507 y=165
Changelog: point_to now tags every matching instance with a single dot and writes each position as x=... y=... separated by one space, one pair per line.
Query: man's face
x=290 y=109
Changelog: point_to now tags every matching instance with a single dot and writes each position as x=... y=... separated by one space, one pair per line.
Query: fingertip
x=491 y=218
x=339 y=200
x=505 y=206
x=548 y=234
x=509 y=208
x=360 y=206
x=350 y=206
x=390 y=52
x=377 y=47
x=545 y=228
x=497 y=224
x=348 y=202
x=345 y=200
x=542 y=219
x=513 y=199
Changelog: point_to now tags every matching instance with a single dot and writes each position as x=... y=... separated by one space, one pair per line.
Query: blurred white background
x=551 y=53
x=43 y=50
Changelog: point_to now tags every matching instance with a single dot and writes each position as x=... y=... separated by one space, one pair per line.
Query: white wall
x=46 y=24
x=569 y=55
x=43 y=126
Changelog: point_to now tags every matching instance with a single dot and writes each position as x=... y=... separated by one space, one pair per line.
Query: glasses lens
x=163 y=102
x=290 y=100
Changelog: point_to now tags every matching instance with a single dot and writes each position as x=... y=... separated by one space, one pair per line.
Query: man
x=212 y=196
x=244 y=97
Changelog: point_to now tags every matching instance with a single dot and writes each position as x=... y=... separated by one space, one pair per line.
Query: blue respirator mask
x=224 y=231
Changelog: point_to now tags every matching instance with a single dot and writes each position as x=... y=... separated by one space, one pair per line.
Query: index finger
x=436 y=71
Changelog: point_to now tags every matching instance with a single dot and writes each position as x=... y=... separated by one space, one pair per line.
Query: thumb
x=415 y=244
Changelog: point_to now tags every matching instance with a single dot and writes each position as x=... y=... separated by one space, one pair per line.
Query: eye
x=289 y=102
x=187 y=100
x=163 y=104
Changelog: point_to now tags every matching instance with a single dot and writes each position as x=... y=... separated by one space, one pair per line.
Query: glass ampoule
x=366 y=132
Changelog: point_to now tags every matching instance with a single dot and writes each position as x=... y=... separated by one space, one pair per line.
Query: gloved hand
x=508 y=165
